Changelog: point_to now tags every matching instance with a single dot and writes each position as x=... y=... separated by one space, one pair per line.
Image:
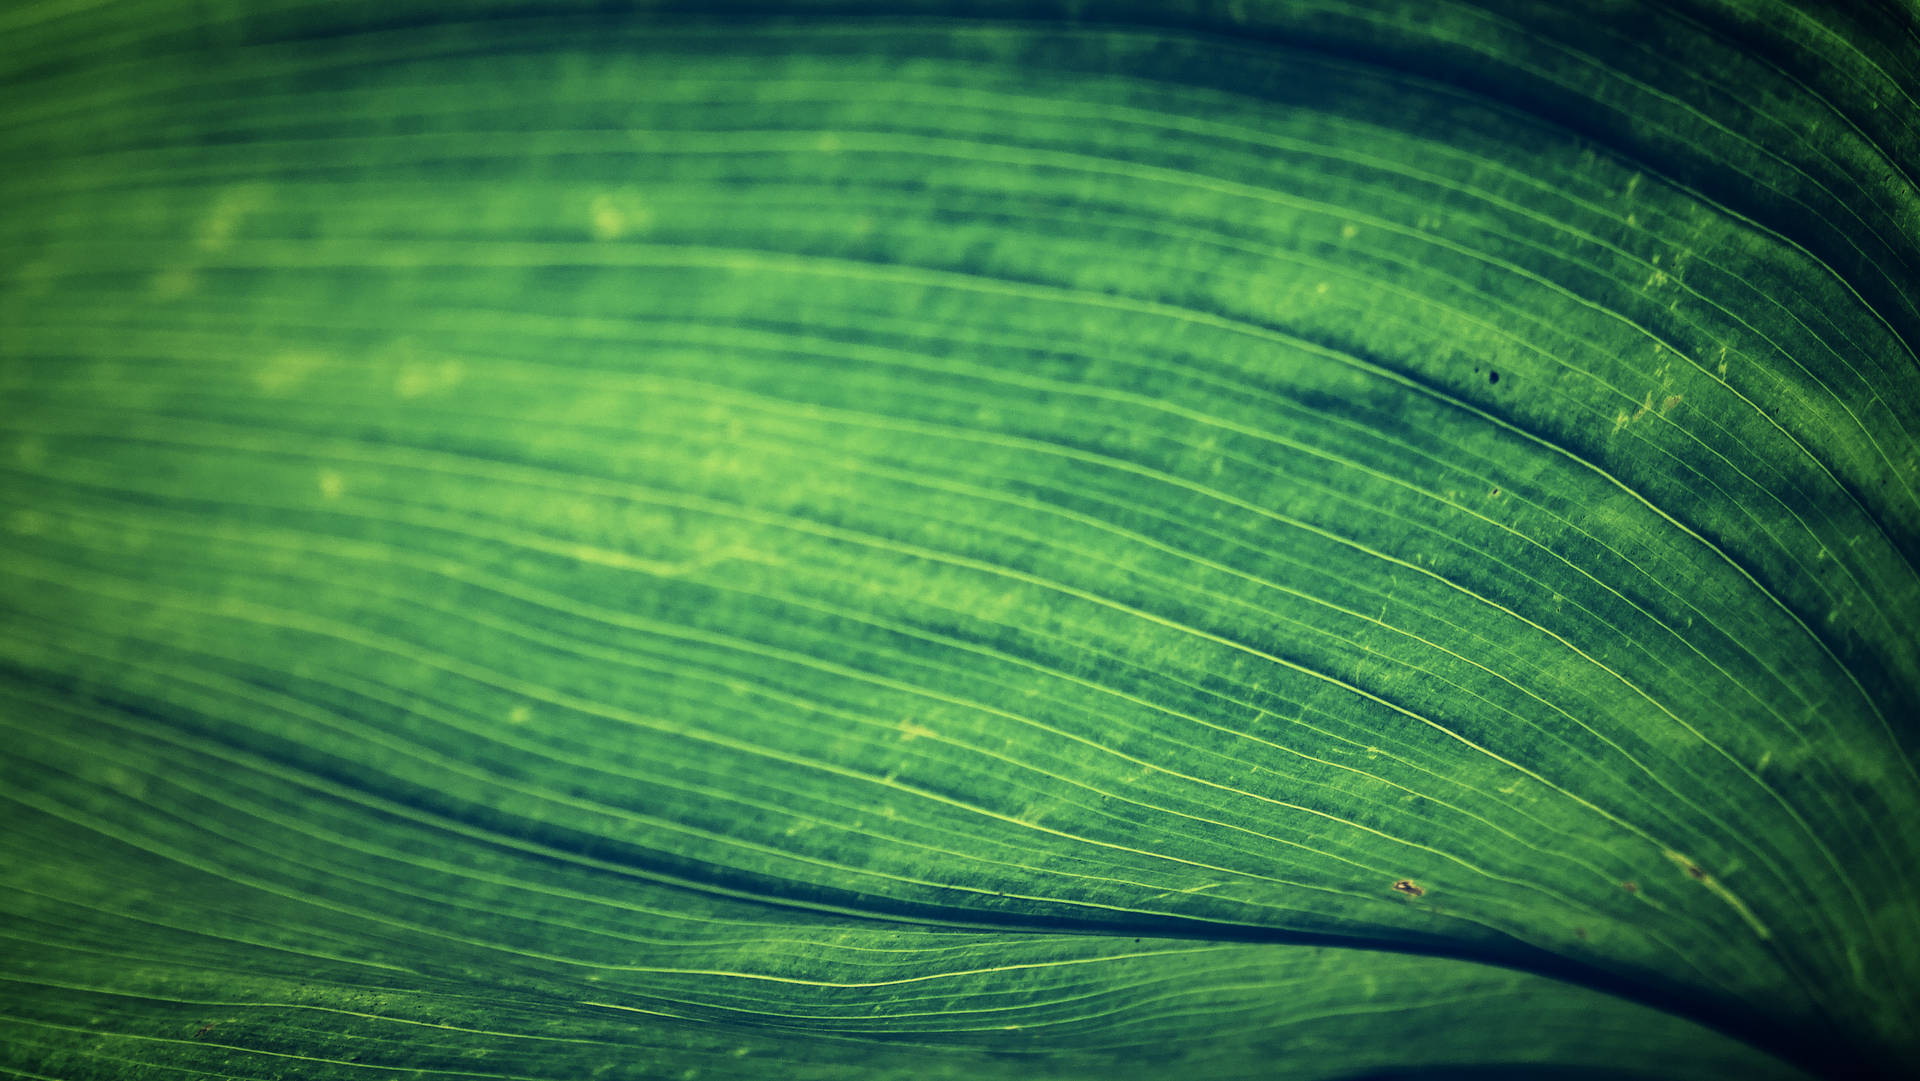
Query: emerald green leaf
x=1070 y=540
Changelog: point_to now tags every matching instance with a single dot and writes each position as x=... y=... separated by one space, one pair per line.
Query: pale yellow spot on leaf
x=287 y=369
x=418 y=378
x=174 y=282
x=332 y=484
x=229 y=210
x=612 y=215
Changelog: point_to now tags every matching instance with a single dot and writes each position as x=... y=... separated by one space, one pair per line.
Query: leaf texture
x=839 y=540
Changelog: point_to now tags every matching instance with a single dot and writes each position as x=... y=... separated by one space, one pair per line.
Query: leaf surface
x=1295 y=541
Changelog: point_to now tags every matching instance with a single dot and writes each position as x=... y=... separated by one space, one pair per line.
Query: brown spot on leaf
x=1695 y=871
x=1630 y=887
x=1407 y=887
x=1581 y=931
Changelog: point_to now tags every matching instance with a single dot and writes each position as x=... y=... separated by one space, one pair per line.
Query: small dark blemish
x=1407 y=887
x=1581 y=931
x=1696 y=872
x=1493 y=377
x=1630 y=887
x=1495 y=495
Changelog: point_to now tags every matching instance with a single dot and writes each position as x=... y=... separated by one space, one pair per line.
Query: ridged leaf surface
x=861 y=541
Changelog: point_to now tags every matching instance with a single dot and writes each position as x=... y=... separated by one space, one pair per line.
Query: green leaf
x=1069 y=540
